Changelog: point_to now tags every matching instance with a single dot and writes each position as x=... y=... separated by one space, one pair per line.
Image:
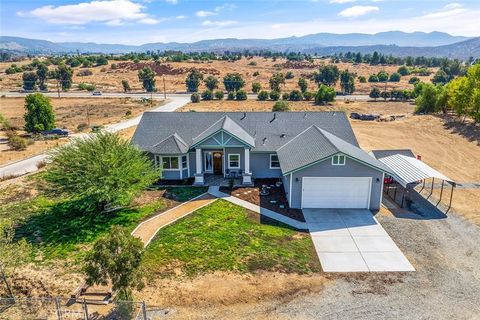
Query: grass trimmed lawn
x=57 y=230
x=223 y=236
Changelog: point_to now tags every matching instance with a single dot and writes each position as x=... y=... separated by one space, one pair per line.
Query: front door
x=217 y=163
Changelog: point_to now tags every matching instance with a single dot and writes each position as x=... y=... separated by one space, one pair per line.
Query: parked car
x=96 y=93
x=354 y=115
x=55 y=132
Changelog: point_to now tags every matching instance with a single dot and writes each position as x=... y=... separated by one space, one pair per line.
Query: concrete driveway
x=351 y=240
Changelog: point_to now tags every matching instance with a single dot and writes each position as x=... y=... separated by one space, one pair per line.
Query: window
x=274 y=163
x=338 y=160
x=234 y=161
x=170 y=163
x=184 y=162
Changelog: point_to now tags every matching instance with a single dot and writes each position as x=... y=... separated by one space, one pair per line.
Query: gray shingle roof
x=269 y=130
x=173 y=144
x=315 y=144
x=228 y=125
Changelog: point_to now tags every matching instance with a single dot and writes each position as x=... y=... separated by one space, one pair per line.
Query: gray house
x=315 y=154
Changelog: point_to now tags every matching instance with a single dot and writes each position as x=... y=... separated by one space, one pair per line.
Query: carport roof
x=408 y=170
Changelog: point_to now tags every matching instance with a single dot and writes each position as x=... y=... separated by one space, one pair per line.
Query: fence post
x=85 y=308
x=58 y=309
x=144 y=311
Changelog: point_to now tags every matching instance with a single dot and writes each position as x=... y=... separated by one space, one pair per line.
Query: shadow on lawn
x=467 y=128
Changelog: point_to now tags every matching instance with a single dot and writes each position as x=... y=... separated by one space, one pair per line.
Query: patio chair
x=227 y=173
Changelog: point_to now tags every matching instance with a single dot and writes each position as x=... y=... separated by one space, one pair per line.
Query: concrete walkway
x=30 y=164
x=352 y=240
x=214 y=190
x=149 y=228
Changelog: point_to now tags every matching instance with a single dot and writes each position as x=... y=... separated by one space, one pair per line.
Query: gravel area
x=446 y=255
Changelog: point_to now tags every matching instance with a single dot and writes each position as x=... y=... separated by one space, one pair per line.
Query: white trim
x=381 y=190
x=340 y=156
x=198 y=161
x=270 y=164
x=205 y=161
x=188 y=165
x=171 y=169
x=223 y=161
x=369 y=187
x=290 y=191
x=239 y=158
x=246 y=164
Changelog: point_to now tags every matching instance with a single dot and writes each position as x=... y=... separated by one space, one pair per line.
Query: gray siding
x=286 y=186
x=260 y=166
x=171 y=175
x=192 y=163
x=351 y=168
x=240 y=151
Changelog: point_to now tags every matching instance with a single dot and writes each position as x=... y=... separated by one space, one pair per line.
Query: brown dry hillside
x=109 y=80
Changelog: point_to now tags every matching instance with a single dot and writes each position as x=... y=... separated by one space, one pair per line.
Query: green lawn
x=223 y=236
x=57 y=230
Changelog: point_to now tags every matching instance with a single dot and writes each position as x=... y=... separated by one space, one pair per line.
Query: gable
x=222 y=139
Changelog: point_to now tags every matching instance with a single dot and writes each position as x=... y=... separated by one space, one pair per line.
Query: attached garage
x=336 y=192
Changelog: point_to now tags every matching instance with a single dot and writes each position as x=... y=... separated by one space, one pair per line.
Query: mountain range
x=392 y=42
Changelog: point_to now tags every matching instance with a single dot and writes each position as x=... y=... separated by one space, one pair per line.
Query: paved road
x=30 y=164
x=146 y=95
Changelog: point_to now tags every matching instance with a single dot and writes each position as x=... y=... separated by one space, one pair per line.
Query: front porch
x=221 y=181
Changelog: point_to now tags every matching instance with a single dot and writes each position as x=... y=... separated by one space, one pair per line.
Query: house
x=315 y=154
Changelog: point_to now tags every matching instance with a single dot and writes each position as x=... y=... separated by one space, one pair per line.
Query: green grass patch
x=183 y=194
x=223 y=236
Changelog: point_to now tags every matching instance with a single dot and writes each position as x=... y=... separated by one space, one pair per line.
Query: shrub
x=285 y=96
x=256 y=87
x=382 y=76
x=231 y=95
x=395 y=77
x=195 y=98
x=39 y=114
x=256 y=74
x=86 y=86
x=374 y=93
x=373 y=78
x=17 y=143
x=219 y=94
x=193 y=80
x=414 y=80
x=252 y=63
x=303 y=85
x=233 y=82
x=308 y=95
x=207 y=95
x=385 y=95
x=362 y=79
x=241 y=95
x=295 y=95
x=289 y=75
x=84 y=73
x=274 y=95
x=128 y=113
x=281 y=106
x=263 y=95
x=211 y=83
x=82 y=126
x=403 y=70
x=324 y=94
x=114 y=66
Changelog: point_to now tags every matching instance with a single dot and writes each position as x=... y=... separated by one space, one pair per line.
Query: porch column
x=198 y=163
x=247 y=160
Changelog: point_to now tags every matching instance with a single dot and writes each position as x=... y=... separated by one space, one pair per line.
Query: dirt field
x=109 y=80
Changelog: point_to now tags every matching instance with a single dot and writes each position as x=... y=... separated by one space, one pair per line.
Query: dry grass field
x=109 y=80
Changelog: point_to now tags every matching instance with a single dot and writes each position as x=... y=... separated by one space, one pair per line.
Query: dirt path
x=147 y=229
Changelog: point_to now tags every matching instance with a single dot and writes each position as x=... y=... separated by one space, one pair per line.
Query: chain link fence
x=72 y=309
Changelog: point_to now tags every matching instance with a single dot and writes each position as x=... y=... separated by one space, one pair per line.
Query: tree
x=42 y=74
x=147 y=77
x=362 y=79
x=276 y=80
x=303 y=85
x=373 y=78
x=404 y=71
x=441 y=77
x=207 y=95
x=29 y=81
x=233 y=82
x=219 y=94
x=308 y=95
x=295 y=95
x=347 y=82
x=103 y=171
x=395 y=77
x=211 y=83
x=39 y=114
x=101 y=61
x=281 y=106
x=464 y=94
x=385 y=95
x=126 y=85
x=375 y=59
x=274 y=95
x=115 y=259
x=374 y=93
x=324 y=94
x=64 y=76
x=328 y=75
x=289 y=75
x=262 y=95
x=195 y=97
x=382 y=76
x=241 y=95
x=256 y=87
x=413 y=80
x=428 y=100
x=231 y=95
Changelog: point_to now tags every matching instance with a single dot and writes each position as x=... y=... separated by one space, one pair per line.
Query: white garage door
x=348 y=192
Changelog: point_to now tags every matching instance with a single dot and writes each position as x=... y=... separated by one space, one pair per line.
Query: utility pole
x=88 y=115
x=58 y=88
x=164 y=89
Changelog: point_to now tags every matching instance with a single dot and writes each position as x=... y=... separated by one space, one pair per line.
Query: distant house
x=315 y=154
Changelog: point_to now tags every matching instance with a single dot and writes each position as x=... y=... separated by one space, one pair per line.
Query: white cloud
x=224 y=23
x=111 y=12
x=180 y=17
x=451 y=9
x=172 y=1
x=226 y=6
x=357 y=11
x=342 y=1
x=204 y=14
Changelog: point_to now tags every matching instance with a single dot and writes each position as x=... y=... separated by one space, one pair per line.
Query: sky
x=145 y=21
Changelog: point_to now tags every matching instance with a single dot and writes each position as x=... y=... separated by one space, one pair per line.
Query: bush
x=373 y=78
x=263 y=95
x=82 y=126
x=403 y=70
x=295 y=95
x=256 y=87
x=362 y=79
x=382 y=76
x=303 y=85
x=414 y=80
x=256 y=74
x=17 y=143
x=324 y=94
x=219 y=94
x=241 y=95
x=289 y=75
x=231 y=95
x=252 y=63
x=374 y=93
x=281 y=106
x=385 y=95
x=211 y=83
x=39 y=114
x=274 y=95
x=195 y=98
x=86 y=86
x=395 y=77
x=84 y=73
x=193 y=80
x=207 y=95
x=285 y=96
x=308 y=95
x=233 y=82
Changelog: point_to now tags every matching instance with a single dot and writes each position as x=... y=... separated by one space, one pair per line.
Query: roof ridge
x=198 y=135
x=328 y=139
x=179 y=139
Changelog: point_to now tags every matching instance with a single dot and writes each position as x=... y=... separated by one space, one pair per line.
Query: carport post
x=431 y=190
x=403 y=197
x=395 y=193
x=451 y=196
x=441 y=192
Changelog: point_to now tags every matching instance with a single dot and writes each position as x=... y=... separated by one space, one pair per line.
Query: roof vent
x=282 y=135
x=264 y=140
x=274 y=117
x=244 y=116
x=305 y=115
x=255 y=133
